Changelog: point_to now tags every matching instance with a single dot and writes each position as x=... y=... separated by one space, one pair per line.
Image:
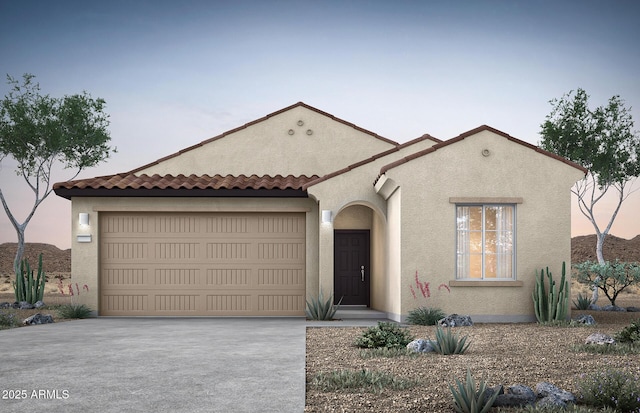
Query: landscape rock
x=599 y=338
x=24 y=305
x=38 y=304
x=516 y=396
x=6 y=305
x=420 y=346
x=594 y=307
x=613 y=308
x=585 y=319
x=548 y=390
x=633 y=309
x=455 y=320
x=38 y=319
x=551 y=401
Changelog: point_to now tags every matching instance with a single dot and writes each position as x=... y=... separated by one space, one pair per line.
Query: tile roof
x=471 y=133
x=129 y=181
x=371 y=159
x=262 y=119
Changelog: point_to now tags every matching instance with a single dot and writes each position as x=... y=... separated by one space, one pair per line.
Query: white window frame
x=484 y=230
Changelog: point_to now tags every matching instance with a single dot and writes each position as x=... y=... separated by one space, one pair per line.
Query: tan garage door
x=202 y=264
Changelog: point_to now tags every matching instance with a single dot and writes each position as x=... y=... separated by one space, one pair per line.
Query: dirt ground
x=503 y=353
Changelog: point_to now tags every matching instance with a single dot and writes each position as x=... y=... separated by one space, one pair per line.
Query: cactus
x=552 y=305
x=25 y=287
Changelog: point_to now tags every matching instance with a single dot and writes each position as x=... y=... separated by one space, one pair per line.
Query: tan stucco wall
x=267 y=148
x=85 y=256
x=427 y=224
x=340 y=194
x=394 y=256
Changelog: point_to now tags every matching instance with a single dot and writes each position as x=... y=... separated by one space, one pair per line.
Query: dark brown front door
x=351 y=267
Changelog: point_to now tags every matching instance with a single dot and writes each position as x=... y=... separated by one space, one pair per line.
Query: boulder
x=5 y=305
x=594 y=307
x=420 y=346
x=599 y=338
x=633 y=309
x=24 y=305
x=38 y=319
x=517 y=395
x=585 y=319
x=38 y=304
x=455 y=320
x=551 y=401
x=554 y=395
x=613 y=308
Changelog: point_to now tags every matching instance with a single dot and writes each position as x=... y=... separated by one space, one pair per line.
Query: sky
x=176 y=73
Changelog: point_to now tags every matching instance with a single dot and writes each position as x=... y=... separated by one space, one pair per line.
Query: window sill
x=485 y=283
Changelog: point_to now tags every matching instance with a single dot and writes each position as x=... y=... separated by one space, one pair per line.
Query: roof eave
x=69 y=193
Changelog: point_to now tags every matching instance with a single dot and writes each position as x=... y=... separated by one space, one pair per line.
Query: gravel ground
x=504 y=353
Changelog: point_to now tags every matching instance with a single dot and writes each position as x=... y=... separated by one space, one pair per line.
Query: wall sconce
x=326 y=216
x=83 y=219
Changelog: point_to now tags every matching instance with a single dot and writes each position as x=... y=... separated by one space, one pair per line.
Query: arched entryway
x=358 y=233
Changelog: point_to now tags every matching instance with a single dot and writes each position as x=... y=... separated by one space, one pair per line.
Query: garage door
x=202 y=264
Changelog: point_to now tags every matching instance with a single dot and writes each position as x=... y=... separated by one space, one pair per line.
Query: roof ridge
x=368 y=160
x=262 y=119
x=472 y=132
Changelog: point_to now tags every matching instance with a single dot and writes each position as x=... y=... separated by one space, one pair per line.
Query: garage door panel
x=203 y=264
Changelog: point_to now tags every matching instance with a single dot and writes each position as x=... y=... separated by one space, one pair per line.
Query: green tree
x=40 y=131
x=604 y=142
x=610 y=277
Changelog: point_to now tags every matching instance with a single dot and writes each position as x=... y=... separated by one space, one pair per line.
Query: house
x=257 y=220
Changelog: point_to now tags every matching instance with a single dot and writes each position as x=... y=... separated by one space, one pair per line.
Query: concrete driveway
x=155 y=365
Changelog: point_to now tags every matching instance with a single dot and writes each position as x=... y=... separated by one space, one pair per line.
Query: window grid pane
x=485 y=241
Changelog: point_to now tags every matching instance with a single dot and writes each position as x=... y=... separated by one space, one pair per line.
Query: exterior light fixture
x=326 y=216
x=83 y=219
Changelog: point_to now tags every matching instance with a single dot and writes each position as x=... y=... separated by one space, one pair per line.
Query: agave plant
x=468 y=399
x=582 y=302
x=320 y=309
x=447 y=342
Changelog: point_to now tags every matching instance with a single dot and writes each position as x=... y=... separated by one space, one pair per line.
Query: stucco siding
x=428 y=224
x=278 y=145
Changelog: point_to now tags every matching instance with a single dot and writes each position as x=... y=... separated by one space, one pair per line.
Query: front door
x=351 y=267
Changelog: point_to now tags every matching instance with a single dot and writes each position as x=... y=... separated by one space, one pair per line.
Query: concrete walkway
x=155 y=365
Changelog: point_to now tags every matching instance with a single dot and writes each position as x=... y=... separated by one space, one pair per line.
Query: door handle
x=362 y=272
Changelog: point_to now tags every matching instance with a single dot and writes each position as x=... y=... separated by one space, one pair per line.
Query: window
x=485 y=239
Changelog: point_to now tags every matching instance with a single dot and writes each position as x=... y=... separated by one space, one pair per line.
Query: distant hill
x=583 y=248
x=53 y=259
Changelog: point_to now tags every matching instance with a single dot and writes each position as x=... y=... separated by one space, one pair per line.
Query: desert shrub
x=629 y=334
x=8 y=320
x=582 y=302
x=448 y=342
x=616 y=389
x=425 y=316
x=74 y=311
x=320 y=309
x=385 y=334
x=610 y=277
x=468 y=399
x=359 y=380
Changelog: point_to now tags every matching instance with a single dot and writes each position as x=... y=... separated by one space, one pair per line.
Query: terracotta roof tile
x=132 y=181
